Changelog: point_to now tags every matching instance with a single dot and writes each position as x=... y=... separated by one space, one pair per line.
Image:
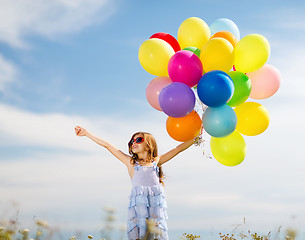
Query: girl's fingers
x=78 y=130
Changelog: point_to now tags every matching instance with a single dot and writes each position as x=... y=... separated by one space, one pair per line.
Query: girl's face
x=138 y=145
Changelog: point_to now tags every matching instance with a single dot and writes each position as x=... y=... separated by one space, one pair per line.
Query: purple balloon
x=177 y=100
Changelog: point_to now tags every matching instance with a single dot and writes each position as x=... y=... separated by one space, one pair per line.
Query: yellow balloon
x=154 y=55
x=230 y=150
x=252 y=118
x=217 y=54
x=193 y=32
x=251 y=53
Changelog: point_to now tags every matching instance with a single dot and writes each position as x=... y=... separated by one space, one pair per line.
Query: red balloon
x=169 y=39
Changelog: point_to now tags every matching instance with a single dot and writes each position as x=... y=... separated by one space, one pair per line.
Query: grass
x=11 y=230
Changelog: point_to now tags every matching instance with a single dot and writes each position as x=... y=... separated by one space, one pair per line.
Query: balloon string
x=203 y=106
x=200 y=141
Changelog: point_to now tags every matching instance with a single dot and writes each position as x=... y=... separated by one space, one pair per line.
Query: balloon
x=242 y=88
x=177 y=99
x=220 y=121
x=185 y=67
x=185 y=128
x=226 y=35
x=217 y=54
x=215 y=88
x=169 y=39
x=193 y=32
x=265 y=82
x=154 y=55
x=252 y=118
x=224 y=24
x=194 y=50
x=230 y=150
x=153 y=90
x=251 y=53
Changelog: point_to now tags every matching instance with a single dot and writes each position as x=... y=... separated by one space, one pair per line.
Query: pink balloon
x=153 y=90
x=265 y=82
x=185 y=67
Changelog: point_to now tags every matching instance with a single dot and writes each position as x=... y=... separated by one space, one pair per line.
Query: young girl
x=147 y=206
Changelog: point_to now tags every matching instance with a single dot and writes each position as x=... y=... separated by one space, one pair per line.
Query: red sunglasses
x=138 y=140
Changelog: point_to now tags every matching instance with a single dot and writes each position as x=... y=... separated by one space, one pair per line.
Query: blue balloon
x=177 y=100
x=219 y=122
x=215 y=88
x=224 y=24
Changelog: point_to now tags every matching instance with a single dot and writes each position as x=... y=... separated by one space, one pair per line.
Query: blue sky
x=64 y=63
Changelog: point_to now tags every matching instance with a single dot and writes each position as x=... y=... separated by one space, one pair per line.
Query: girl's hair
x=152 y=151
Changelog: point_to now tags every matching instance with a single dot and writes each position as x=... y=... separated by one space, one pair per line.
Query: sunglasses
x=138 y=140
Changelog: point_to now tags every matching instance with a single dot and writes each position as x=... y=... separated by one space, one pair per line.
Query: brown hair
x=152 y=151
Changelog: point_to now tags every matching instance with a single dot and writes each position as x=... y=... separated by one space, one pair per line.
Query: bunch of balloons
x=213 y=64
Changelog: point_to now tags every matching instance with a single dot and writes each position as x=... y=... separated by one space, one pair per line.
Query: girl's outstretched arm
x=172 y=153
x=80 y=131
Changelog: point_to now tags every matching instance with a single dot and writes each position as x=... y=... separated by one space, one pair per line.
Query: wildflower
x=291 y=234
x=190 y=236
x=109 y=209
x=110 y=218
x=41 y=223
x=152 y=227
x=25 y=233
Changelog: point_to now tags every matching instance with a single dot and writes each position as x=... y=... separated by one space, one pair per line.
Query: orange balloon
x=226 y=35
x=184 y=128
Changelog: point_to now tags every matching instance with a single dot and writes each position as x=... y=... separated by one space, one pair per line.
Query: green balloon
x=242 y=88
x=194 y=50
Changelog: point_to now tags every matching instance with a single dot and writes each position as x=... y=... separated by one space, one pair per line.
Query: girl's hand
x=79 y=131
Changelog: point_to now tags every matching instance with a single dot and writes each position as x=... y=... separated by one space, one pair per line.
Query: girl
x=147 y=207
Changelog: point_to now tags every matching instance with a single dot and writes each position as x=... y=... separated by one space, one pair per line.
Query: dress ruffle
x=150 y=196
x=147 y=202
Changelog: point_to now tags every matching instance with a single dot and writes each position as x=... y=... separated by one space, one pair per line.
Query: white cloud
x=24 y=128
x=50 y=19
x=8 y=73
